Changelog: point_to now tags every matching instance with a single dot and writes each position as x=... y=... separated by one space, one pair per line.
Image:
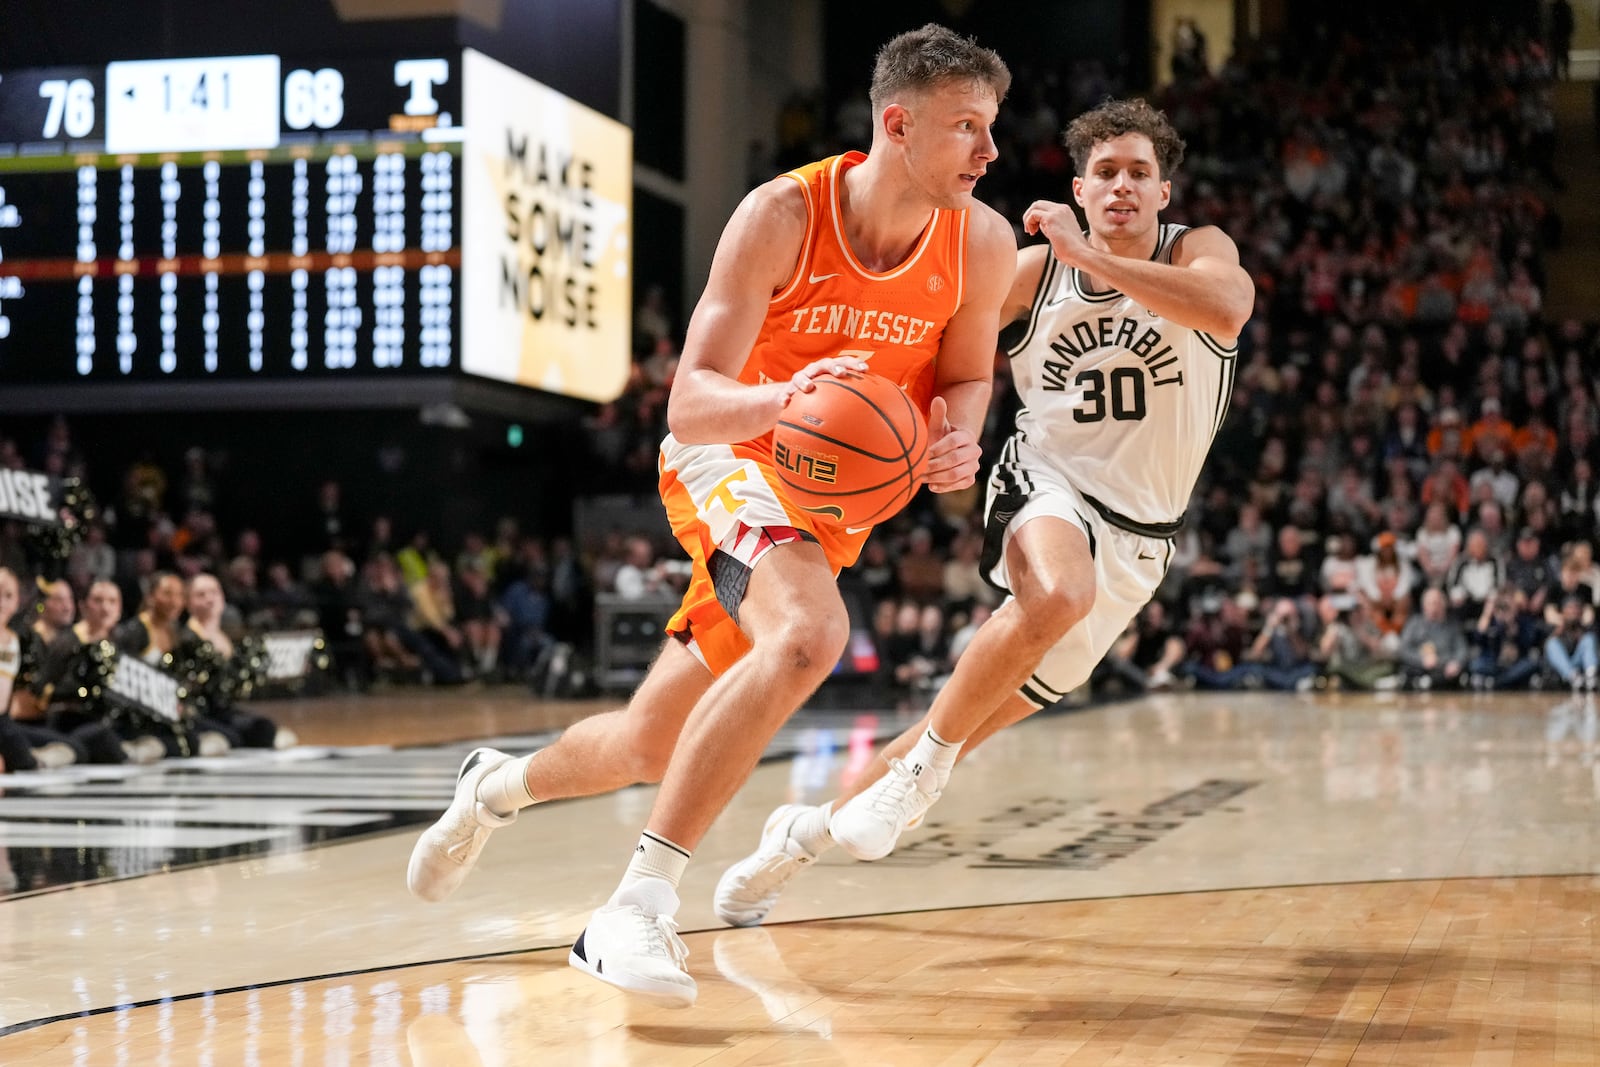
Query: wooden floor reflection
x=1318 y=881
x=1410 y=972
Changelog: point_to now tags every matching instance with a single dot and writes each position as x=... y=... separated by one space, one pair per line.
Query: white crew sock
x=504 y=790
x=810 y=830
x=931 y=760
x=654 y=857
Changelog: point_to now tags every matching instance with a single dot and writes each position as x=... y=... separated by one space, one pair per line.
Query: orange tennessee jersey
x=832 y=304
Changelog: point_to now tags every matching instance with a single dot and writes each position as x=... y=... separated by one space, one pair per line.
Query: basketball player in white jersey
x=1124 y=368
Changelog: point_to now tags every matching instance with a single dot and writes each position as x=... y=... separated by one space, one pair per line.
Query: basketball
x=852 y=451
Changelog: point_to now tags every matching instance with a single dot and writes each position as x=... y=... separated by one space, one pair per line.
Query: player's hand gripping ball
x=851 y=451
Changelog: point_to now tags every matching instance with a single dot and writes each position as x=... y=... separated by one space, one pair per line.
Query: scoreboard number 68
x=313 y=99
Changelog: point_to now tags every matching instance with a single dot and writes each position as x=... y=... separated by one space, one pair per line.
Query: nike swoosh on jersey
x=815 y=278
x=856 y=529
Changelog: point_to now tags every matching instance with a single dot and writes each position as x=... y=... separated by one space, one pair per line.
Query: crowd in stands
x=1404 y=493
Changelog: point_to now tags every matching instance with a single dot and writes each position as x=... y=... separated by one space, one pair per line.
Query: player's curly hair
x=933 y=55
x=1113 y=118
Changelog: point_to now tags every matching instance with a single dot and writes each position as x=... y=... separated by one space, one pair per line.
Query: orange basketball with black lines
x=852 y=451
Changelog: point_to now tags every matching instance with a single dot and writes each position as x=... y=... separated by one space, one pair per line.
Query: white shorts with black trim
x=1129 y=567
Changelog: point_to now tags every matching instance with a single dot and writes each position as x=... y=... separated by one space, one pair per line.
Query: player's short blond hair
x=932 y=56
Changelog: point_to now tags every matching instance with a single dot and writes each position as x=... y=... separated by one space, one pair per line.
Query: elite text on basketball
x=817 y=468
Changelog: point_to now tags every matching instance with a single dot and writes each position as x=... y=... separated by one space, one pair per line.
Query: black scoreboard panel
x=308 y=259
x=229 y=219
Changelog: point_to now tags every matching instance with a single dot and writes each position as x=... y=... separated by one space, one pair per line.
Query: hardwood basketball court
x=1196 y=879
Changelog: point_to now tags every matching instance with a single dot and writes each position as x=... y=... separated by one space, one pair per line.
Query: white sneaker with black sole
x=446 y=851
x=633 y=944
x=747 y=890
x=869 y=826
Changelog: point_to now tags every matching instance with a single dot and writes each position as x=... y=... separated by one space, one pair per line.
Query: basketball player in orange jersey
x=882 y=262
x=1125 y=368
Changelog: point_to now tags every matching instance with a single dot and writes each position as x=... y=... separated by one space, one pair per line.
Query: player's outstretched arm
x=755 y=257
x=1204 y=288
x=1025 y=285
x=965 y=369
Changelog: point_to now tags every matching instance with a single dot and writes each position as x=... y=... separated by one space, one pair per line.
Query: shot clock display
x=230 y=218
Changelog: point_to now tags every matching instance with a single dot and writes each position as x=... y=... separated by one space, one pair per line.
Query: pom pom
x=48 y=546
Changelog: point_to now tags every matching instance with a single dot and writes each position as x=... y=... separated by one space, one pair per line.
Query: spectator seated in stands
x=341 y=617
x=876 y=569
x=393 y=641
x=1438 y=543
x=1384 y=582
x=434 y=614
x=1146 y=657
x=1433 y=651
x=1352 y=651
x=285 y=604
x=26 y=744
x=962 y=637
x=1215 y=641
x=1529 y=570
x=1294 y=568
x=919 y=652
x=1474 y=578
x=69 y=677
x=1490 y=517
x=217 y=666
x=1495 y=480
x=1505 y=653
x=1579 y=559
x=1448 y=486
x=482 y=621
x=1579 y=503
x=241 y=585
x=1250 y=539
x=1280 y=656
x=964 y=587
x=642 y=574
x=1570 y=650
x=1572 y=580
x=57 y=610
x=921 y=568
x=154 y=636
x=1341 y=568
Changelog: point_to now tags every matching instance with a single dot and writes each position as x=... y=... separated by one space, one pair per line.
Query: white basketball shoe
x=749 y=888
x=633 y=944
x=868 y=826
x=446 y=851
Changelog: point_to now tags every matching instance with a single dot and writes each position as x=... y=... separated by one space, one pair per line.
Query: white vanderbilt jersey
x=1126 y=401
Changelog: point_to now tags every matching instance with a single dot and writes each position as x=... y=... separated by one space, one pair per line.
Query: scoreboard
x=230 y=217
x=263 y=218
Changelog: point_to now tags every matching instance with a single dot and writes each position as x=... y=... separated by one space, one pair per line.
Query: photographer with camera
x=1353 y=649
